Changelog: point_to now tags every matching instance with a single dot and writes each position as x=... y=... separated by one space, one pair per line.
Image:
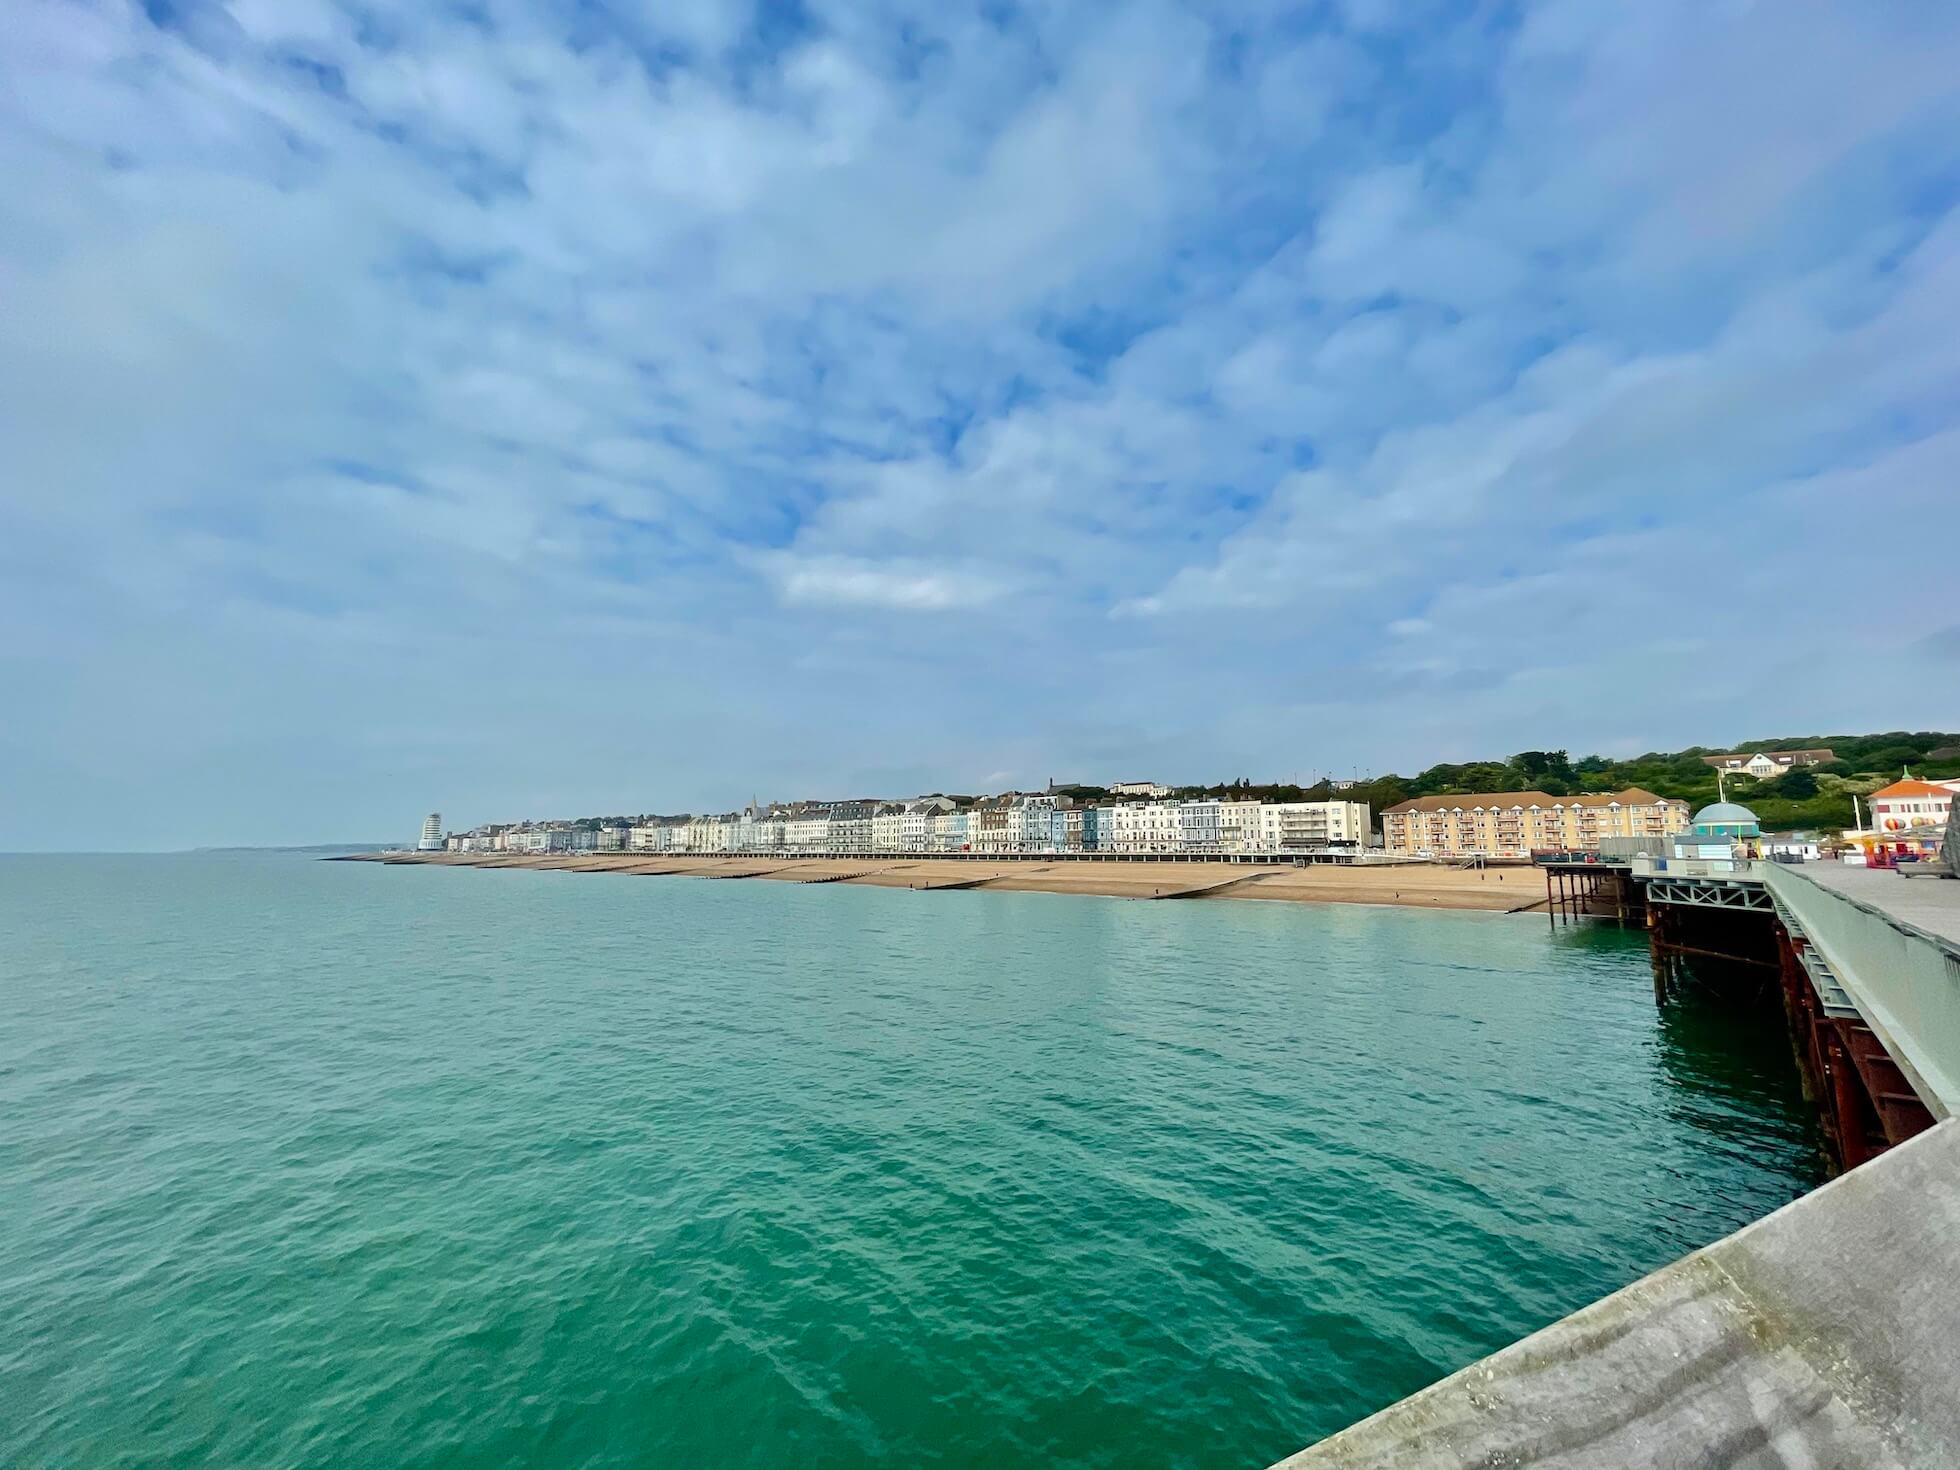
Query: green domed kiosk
x=1726 y=819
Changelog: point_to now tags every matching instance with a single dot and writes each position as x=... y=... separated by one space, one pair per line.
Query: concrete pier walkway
x=1892 y=945
x=1825 y=1336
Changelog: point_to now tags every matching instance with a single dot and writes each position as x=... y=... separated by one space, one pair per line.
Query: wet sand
x=1422 y=886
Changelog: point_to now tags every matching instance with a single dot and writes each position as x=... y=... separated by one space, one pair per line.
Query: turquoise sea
x=331 y=1164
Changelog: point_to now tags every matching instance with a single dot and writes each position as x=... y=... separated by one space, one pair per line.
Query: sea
x=309 y=1163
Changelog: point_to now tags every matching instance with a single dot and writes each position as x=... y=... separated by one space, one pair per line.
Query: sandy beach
x=1421 y=886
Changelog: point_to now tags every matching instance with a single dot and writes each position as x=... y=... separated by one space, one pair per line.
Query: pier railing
x=1745 y=869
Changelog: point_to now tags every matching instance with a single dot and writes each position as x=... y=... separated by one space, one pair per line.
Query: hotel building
x=1515 y=823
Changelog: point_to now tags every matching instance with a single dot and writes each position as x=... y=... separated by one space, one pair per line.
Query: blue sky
x=540 y=410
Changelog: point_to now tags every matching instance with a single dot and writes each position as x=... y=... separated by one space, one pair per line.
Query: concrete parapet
x=1895 y=948
x=1824 y=1336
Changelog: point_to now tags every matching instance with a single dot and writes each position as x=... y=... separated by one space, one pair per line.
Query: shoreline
x=1411 y=886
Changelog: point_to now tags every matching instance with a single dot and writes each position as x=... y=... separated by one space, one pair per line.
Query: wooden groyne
x=1402 y=885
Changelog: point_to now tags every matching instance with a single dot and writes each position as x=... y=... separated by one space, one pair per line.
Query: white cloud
x=842 y=582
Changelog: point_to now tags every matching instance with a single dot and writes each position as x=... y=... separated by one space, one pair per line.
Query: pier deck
x=1929 y=905
x=1820 y=1336
x=1892 y=946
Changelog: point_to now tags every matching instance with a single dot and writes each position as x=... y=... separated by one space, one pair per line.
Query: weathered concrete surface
x=1930 y=906
x=1825 y=1336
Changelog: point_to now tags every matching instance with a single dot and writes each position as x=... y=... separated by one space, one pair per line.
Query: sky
x=527 y=410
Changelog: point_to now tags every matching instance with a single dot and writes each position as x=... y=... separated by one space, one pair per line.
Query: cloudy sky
x=543 y=409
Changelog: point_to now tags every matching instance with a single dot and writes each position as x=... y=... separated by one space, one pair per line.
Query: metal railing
x=1680 y=867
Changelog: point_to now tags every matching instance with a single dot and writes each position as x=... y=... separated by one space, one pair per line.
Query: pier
x=1870 y=968
x=1820 y=1336
x=1587 y=884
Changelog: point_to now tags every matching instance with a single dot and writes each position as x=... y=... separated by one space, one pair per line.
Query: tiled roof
x=1501 y=800
x=1819 y=754
x=1911 y=787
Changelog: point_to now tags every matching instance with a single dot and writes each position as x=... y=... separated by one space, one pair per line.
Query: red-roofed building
x=1911 y=803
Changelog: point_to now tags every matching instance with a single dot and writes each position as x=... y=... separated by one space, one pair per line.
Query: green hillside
x=1815 y=796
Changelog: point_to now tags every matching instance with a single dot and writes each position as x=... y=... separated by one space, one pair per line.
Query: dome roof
x=1723 y=813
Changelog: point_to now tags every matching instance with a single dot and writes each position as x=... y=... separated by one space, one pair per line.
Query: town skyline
x=1806 y=780
x=1873 y=754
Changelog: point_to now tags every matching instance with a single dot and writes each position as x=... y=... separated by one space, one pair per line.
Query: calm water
x=330 y=1164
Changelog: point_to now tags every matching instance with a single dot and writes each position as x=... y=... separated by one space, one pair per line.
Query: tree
x=1536 y=763
x=1797 y=784
x=1890 y=759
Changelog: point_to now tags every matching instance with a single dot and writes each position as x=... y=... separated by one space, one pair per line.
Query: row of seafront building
x=1014 y=823
x=1509 y=824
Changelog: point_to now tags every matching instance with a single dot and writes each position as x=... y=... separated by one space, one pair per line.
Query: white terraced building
x=664 y=835
x=1238 y=825
x=807 y=830
x=850 y=826
x=987 y=825
x=1032 y=825
x=1198 y=826
x=1142 y=826
x=1010 y=824
x=480 y=839
x=1302 y=824
x=538 y=839
x=918 y=828
x=951 y=830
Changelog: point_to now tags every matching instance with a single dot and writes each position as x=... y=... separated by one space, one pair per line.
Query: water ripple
x=326 y=1164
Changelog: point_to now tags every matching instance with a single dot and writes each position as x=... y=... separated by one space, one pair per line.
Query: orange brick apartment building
x=1512 y=823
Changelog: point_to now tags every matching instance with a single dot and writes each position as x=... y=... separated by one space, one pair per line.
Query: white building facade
x=1291 y=825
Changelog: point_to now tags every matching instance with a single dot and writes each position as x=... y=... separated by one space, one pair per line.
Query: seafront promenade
x=1403 y=885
